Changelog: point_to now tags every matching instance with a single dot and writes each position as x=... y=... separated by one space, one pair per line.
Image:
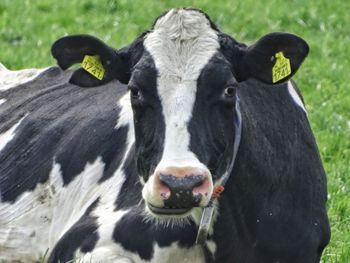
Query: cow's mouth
x=168 y=210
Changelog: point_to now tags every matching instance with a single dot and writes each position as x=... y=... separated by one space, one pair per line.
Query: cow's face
x=184 y=128
x=183 y=96
x=183 y=77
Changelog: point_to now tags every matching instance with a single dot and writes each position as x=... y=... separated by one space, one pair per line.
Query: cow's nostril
x=201 y=189
x=163 y=189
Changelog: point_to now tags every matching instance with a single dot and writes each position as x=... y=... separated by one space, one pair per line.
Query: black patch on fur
x=130 y=192
x=134 y=233
x=83 y=235
x=211 y=126
x=148 y=117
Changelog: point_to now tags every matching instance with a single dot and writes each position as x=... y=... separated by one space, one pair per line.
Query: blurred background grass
x=28 y=28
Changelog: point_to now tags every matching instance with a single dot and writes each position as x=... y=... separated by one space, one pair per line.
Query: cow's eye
x=135 y=92
x=229 y=91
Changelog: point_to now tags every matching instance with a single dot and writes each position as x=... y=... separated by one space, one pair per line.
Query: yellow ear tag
x=93 y=65
x=281 y=69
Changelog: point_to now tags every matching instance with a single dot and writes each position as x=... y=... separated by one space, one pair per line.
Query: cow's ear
x=275 y=58
x=73 y=49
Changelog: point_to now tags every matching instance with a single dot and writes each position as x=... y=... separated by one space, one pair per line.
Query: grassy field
x=28 y=28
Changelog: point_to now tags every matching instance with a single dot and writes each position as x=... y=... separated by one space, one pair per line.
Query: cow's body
x=69 y=184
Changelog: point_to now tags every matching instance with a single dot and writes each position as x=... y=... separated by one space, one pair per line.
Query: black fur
x=137 y=235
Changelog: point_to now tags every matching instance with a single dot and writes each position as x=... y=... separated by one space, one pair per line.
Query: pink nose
x=182 y=187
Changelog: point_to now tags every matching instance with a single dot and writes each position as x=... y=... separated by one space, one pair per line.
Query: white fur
x=106 y=254
x=25 y=224
x=175 y=253
x=295 y=96
x=75 y=198
x=181 y=44
x=171 y=254
x=125 y=115
x=211 y=246
x=2 y=101
x=126 y=118
x=8 y=135
x=13 y=78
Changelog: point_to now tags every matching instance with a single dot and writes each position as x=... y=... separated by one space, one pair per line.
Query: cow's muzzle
x=176 y=190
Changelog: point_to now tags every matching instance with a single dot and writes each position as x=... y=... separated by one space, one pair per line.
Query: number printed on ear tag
x=93 y=65
x=281 y=69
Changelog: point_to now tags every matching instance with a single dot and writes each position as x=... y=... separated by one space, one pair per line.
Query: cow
x=189 y=146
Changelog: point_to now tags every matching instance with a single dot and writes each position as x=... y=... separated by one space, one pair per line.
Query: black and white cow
x=121 y=173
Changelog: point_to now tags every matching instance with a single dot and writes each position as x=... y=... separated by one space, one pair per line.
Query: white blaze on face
x=181 y=44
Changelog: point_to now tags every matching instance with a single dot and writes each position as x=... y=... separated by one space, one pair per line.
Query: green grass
x=28 y=28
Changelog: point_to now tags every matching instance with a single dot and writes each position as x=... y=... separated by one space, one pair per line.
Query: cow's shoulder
x=48 y=120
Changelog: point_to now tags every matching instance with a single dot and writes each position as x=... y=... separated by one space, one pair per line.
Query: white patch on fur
x=25 y=224
x=8 y=135
x=125 y=115
x=74 y=199
x=13 y=78
x=174 y=253
x=149 y=195
x=181 y=44
x=2 y=101
x=295 y=96
x=111 y=253
x=211 y=245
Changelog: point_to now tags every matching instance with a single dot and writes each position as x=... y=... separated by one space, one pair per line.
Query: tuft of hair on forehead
x=181 y=42
x=183 y=23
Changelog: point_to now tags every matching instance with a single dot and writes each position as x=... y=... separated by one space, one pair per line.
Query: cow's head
x=183 y=76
